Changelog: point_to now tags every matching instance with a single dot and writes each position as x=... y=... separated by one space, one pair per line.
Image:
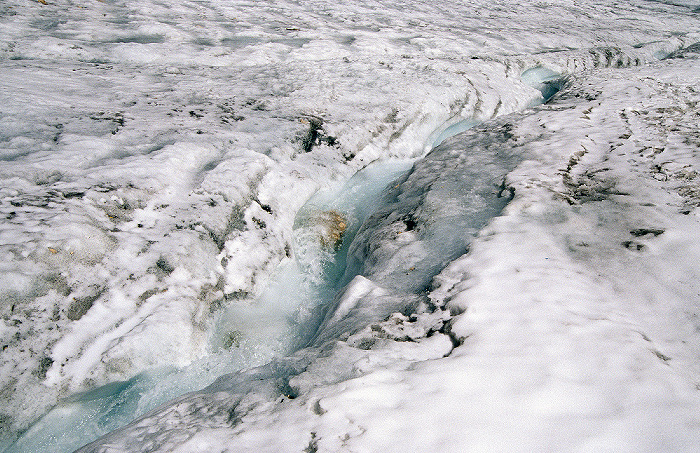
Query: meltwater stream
x=245 y=335
x=439 y=204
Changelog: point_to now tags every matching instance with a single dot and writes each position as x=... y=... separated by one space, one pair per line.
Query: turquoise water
x=245 y=334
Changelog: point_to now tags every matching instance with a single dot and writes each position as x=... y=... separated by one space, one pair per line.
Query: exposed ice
x=174 y=181
x=570 y=323
x=543 y=80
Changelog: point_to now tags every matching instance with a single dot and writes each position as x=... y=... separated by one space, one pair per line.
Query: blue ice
x=545 y=80
x=447 y=196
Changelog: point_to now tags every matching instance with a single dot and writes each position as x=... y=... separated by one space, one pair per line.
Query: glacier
x=514 y=192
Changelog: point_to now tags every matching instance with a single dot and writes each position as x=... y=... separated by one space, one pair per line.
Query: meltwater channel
x=288 y=313
x=282 y=320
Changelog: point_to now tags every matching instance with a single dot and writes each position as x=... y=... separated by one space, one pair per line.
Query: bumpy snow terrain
x=353 y=226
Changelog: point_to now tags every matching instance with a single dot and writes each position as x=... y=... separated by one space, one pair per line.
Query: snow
x=513 y=275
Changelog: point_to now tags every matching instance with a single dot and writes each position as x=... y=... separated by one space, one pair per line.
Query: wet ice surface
x=421 y=223
x=282 y=319
x=156 y=165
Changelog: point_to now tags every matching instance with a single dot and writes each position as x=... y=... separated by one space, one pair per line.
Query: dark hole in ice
x=410 y=224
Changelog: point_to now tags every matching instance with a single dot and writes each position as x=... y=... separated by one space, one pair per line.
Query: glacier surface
x=512 y=191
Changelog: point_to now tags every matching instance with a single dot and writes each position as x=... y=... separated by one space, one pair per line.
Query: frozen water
x=569 y=323
x=452 y=127
x=422 y=222
x=543 y=80
x=283 y=318
x=167 y=171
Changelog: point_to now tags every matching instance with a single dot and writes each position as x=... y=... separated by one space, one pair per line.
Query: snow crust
x=529 y=284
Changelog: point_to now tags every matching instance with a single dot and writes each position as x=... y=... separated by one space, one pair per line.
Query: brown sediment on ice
x=333 y=225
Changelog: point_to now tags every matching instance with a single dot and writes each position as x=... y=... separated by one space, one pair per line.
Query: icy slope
x=154 y=157
x=574 y=316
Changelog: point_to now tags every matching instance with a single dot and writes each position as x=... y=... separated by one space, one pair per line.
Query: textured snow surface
x=530 y=284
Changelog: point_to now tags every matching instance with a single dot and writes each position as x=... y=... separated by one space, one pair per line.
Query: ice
x=282 y=319
x=453 y=127
x=301 y=286
x=555 y=329
x=423 y=221
x=169 y=172
x=543 y=80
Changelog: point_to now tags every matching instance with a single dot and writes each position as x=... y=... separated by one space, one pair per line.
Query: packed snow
x=362 y=226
